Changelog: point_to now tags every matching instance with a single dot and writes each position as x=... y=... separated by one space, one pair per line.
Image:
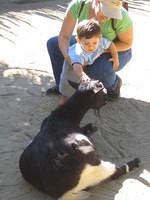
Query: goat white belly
x=90 y=176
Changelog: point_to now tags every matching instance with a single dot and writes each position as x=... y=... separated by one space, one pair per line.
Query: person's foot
x=53 y=90
x=113 y=94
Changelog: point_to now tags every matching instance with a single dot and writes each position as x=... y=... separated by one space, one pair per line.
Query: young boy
x=90 y=45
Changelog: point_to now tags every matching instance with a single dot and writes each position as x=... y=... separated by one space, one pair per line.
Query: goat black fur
x=62 y=160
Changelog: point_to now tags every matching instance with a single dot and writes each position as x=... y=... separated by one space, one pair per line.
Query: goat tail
x=127 y=167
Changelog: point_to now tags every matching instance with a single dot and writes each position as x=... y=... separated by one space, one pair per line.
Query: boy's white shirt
x=79 y=55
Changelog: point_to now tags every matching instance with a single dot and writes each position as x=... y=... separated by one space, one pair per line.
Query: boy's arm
x=78 y=70
x=113 y=51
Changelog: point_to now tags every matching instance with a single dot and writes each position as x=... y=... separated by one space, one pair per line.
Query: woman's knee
x=102 y=70
x=124 y=58
x=104 y=67
x=52 y=44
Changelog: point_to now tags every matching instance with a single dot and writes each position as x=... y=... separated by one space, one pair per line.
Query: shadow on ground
x=123 y=133
x=11 y=14
x=53 y=9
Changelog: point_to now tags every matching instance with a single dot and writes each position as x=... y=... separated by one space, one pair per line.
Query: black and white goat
x=62 y=160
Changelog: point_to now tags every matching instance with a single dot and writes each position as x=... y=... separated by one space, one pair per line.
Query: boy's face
x=90 y=44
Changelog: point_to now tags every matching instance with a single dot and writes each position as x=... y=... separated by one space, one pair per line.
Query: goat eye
x=98 y=84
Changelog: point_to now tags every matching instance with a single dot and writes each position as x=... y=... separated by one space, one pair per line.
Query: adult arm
x=125 y=40
x=65 y=35
x=114 y=54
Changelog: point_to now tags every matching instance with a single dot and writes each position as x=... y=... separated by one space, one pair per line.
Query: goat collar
x=96 y=90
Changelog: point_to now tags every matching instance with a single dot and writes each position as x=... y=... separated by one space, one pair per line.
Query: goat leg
x=129 y=166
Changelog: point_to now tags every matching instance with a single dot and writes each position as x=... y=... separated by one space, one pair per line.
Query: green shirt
x=107 y=31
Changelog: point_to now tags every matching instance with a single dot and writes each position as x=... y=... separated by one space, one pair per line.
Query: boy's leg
x=67 y=74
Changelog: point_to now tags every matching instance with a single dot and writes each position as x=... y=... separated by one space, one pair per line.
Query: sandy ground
x=25 y=74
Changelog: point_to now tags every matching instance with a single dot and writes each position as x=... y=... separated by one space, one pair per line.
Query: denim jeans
x=101 y=69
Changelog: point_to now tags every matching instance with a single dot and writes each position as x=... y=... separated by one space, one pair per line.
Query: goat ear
x=73 y=84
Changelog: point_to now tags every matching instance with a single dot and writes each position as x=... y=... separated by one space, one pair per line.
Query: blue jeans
x=101 y=69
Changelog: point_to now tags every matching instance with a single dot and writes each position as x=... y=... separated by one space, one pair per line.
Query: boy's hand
x=84 y=77
x=78 y=70
x=115 y=63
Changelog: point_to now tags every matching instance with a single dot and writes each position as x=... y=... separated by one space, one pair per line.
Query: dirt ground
x=25 y=74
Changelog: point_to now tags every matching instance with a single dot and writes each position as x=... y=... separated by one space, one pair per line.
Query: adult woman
x=103 y=11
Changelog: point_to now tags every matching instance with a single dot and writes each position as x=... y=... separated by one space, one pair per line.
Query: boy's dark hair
x=88 y=28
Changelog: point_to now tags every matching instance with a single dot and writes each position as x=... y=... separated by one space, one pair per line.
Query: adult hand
x=115 y=63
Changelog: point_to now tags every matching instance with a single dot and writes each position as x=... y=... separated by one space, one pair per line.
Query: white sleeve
x=75 y=53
